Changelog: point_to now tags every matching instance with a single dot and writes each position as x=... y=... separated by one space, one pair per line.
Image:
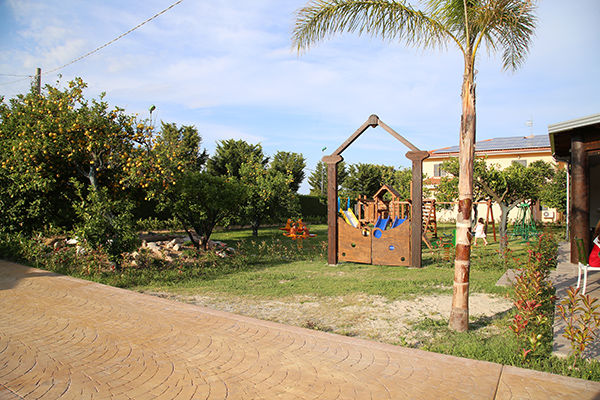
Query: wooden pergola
x=577 y=142
x=415 y=155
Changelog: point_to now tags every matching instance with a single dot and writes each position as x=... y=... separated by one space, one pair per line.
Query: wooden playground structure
x=379 y=234
x=369 y=210
x=391 y=230
x=364 y=237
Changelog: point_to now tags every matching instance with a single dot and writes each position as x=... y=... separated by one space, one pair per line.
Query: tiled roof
x=504 y=143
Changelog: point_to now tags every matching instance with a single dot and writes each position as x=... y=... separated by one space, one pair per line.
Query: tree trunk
x=504 y=210
x=204 y=242
x=207 y=229
x=255 y=224
x=459 y=316
x=189 y=233
x=91 y=175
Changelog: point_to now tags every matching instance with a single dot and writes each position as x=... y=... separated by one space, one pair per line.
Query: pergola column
x=580 y=202
x=416 y=227
x=332 y=162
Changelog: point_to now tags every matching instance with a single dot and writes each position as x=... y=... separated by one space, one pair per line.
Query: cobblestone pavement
x=564 y=277
x=65 y=338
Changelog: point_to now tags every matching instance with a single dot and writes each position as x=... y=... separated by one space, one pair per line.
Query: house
x=577 y=142
x=502 y=152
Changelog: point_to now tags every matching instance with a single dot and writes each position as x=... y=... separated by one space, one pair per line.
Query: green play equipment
x=524 y=224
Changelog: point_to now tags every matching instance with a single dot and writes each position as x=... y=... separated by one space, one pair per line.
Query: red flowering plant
x=582 y=320
x=533 y=297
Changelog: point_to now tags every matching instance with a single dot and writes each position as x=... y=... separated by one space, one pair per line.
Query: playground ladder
x=429 y=221
x=429 y=217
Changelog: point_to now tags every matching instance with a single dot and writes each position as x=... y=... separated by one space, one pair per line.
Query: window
x=522 y=162
x=438 y=171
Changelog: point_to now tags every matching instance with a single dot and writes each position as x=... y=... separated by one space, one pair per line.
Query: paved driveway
x=65 y=338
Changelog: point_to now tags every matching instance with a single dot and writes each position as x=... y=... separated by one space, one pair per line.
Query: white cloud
x=214 y=132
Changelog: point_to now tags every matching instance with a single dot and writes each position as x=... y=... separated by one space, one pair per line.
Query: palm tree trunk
x=459 y=316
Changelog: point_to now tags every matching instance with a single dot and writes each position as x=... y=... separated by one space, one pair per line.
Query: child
x=480 y=232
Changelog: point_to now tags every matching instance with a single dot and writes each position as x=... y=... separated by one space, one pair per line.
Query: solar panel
x=505 y=143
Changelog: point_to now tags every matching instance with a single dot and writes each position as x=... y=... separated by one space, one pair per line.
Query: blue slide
x=381 y=224
x=398 y=221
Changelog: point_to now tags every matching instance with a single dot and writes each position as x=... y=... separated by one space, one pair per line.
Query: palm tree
x=467 y=24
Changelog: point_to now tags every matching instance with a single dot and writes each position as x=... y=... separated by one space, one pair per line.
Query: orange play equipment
x=296 y=230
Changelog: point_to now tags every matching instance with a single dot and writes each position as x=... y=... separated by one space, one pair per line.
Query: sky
x=228 y=68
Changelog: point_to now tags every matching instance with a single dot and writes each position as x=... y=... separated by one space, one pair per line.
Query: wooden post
x=580 y=204
x=416 y=197
x=332 y=211
x=433 y=204
x=490 y=217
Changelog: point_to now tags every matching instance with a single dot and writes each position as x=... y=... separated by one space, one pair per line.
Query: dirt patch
x=364 y=316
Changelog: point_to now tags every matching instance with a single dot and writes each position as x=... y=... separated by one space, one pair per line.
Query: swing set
x=524 y=224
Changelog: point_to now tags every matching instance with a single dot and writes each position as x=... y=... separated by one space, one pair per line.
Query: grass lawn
x=291 y=273
x=294 y=285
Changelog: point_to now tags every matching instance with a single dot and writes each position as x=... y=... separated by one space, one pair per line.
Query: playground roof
x=502 y=144
x=390 y=189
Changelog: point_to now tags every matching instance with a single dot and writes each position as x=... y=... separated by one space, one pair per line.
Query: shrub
x=107 y=224
x=39 y=253
x=545 y=251
x=313 y=208
x=156 y=224
x=533 y=298
x=582 y=319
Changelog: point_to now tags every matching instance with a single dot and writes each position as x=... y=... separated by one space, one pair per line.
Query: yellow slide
x=350 y=218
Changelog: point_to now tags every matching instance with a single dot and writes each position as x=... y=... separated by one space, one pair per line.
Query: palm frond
x=388 y=19
x=451 y=14
x=509 y=25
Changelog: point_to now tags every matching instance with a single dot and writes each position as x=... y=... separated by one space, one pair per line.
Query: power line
x=14 y=75
x=16 y=81
x=91 y=52
x=114 y=40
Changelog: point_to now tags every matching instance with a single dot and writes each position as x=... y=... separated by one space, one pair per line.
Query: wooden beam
x=592 y=145
x=332 y=211
x=372 y=121
x=416 y=197
x=593 y=153
x=398 y=136
x=580 y=204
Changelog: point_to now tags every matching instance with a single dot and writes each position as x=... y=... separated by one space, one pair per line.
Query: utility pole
x=323 y=171
x=38 y=80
